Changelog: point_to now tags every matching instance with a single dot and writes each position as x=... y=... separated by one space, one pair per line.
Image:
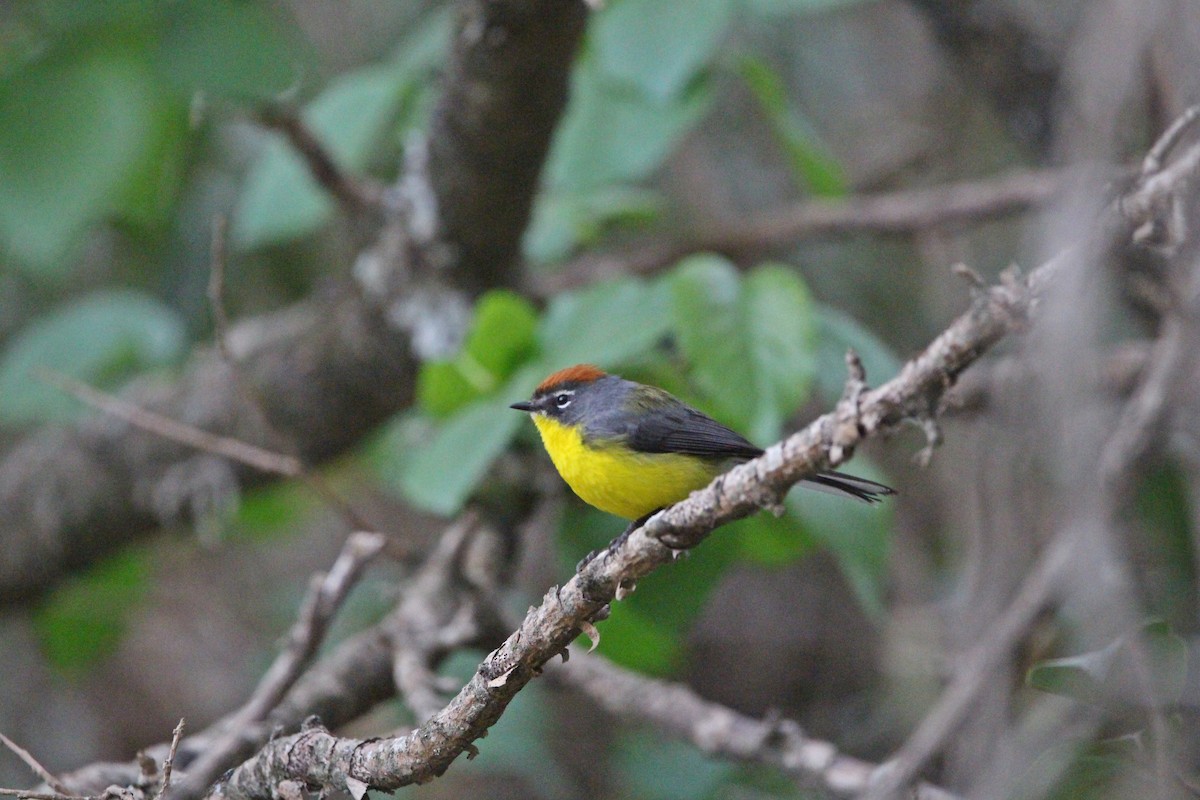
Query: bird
x=630 y=449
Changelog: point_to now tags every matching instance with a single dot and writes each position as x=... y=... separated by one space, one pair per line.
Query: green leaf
x=659 y=47
x=813 y=167
x=442 y=388
x=613 y=133
x=604 y=324
x=1163 y=515
x=102 y=338
x=839 y=332
x=83 y=620
x=1117 y=674
x=440 y=476
x=226 y=47
x=437 y=467
x=502 y=336
x=280 y=200
x=74 y=127
x=1080 y=677
x=859 y=535
x=751 y=342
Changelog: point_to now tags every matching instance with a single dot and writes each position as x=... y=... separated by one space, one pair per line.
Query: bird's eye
x=562 y=400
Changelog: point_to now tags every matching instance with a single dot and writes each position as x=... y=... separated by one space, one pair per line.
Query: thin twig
x=356 y=193
x=441 y=612
x=44 y=774
x=169 y=762
x=1153 y=161
x=325 y=596
x=233 y=449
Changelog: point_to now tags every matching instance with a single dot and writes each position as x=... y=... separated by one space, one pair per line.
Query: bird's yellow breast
x=619 y=480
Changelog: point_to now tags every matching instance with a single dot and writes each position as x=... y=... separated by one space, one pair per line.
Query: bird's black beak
x=524 y=405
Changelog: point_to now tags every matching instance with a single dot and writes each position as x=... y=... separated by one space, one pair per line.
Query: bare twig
x=168 y=765
x=228 y=447
x=895 y=212
x=441 y=611
x=1155 y=188
x=676 y=709
x=1153 y=162
x=44 y=774
x=356 y=193
x=325 y=596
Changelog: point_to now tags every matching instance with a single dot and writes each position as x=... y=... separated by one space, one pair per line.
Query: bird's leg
x=615 y=543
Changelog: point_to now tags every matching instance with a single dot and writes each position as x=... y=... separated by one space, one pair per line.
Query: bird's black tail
x=848 y=486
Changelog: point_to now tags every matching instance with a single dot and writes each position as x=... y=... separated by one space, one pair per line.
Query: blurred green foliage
x=94 y=112
x=83 y=620
x=104 y=338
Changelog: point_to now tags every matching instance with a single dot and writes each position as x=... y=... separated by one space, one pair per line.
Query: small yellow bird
x=630 y=449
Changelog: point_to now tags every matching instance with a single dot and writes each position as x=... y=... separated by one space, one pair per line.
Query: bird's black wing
x=678 y=428
x=673 y=427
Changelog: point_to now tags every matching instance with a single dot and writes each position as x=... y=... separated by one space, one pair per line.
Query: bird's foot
x=614 y=544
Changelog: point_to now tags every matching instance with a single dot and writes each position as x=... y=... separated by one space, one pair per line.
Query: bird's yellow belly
x=622 y=482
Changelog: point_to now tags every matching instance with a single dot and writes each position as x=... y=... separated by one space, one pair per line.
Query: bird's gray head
x=574 y=395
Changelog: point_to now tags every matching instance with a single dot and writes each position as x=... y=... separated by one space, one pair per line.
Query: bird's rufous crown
x=580 y=373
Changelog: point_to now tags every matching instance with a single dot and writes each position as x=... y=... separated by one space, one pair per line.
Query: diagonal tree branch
x=315 y=757
x=335 y=366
